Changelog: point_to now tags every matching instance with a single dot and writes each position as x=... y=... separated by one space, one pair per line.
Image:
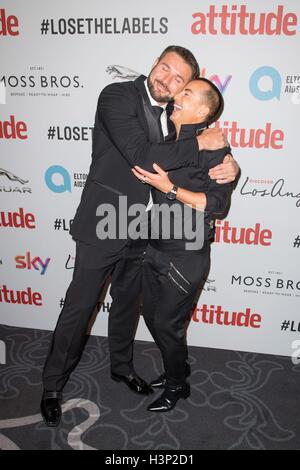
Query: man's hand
x=212 y=139
x=158 y=180
x=226 y=172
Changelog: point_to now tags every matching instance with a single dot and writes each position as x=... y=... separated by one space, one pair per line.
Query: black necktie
x=157 y=111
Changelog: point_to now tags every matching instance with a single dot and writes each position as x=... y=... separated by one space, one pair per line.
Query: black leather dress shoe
x=169 y=398
x=51 y=408
x=134 y=382
x=160 y=382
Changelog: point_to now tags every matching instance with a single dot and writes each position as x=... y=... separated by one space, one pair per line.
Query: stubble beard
x=158 y=97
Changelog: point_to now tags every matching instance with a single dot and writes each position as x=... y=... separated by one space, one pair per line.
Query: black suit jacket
x=126 y=133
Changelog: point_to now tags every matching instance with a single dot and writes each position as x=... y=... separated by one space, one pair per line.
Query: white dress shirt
x=164 y=126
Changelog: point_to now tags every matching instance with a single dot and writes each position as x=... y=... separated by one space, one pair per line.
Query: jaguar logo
x=12 y=177
x=209 y=287
x=118 y=72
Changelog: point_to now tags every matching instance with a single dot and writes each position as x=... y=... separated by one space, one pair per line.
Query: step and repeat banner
x=56 y=57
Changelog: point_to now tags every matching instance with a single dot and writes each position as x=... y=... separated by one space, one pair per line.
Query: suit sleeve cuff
x=210 y=203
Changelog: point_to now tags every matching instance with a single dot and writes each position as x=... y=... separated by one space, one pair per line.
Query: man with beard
x=131 y=128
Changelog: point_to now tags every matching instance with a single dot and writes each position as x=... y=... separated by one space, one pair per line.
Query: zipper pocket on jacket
x=179 y=273
x=176 y=283
x=109 y=188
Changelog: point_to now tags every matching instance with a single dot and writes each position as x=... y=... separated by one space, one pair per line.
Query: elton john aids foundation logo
x=265 y=84
x=58 y=179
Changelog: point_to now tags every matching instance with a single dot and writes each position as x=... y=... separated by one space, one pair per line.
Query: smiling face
x=168 y=77
x=190 y=106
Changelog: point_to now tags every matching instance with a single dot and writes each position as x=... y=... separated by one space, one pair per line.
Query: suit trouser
x=171 y=283
x=91 y=272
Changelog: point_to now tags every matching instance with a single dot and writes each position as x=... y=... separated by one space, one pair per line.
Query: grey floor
x=239 y=401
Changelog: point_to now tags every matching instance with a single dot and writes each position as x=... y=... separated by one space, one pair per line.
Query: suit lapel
x=154 y=128
x=171 y=128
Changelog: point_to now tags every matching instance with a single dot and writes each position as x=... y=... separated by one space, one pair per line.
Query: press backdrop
x=55 y=59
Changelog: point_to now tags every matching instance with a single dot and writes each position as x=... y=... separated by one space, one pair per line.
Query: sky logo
x=58 y=179
x=222 y=85
x=27 y=262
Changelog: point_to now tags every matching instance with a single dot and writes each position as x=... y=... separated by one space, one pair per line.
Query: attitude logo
x=9 y=24
x=19 y=220
x=266 y=137
x=236 y=19
x=13 y=129
x=242 y=236
x=212 y=315
x=25 y=297
x=21 y=188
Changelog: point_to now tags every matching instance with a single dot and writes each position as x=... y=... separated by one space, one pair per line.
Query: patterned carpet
x=239 y=401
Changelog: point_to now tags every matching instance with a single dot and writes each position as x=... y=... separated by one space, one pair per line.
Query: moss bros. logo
x=9 y=24
x=274 y=283
x=43 y=81
x=236 y=19
x=39 y=83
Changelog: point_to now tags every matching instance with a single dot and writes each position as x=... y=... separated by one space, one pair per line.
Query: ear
x=203 y=111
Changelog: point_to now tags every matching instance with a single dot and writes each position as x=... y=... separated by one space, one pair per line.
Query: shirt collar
x=152 y=101
x=191 y=130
